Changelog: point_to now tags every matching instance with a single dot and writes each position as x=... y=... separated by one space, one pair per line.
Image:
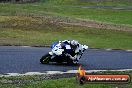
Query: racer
x=76 y=50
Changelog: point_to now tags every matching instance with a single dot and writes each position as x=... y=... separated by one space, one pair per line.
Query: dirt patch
x=30 y=22
x=89 y=24
x=92 y=24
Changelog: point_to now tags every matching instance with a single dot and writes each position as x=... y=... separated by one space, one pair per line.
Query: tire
x=45 y=59
x=59 y=62
x=70 y=62
x=82 y=80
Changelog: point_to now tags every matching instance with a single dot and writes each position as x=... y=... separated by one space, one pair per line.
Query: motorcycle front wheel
x=70 y=62
x=45 y=59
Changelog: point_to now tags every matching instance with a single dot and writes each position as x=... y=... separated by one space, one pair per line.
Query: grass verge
x=25 y=28
x=122 y=17
x=40 y=31
x=58 y=83
x=90 y=2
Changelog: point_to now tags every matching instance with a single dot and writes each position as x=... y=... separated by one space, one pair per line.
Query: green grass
x=93 y=37
x=36 y=82
x=100 y=15
x=90 y=2
x=60 y=83
x=40 y=31
x=30 y=28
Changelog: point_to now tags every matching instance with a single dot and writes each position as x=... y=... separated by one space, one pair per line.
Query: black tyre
x=45 y=59
x=70 y=62
x=59 y=62
x=82 y=80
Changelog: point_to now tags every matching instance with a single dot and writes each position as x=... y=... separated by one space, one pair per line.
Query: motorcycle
x=59 y=53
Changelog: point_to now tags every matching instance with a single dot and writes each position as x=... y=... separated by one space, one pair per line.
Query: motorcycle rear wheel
x=45 y=59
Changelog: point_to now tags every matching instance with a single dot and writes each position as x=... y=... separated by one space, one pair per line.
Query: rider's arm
x=76 y=57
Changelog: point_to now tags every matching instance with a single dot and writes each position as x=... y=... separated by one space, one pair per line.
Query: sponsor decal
x=101 y=78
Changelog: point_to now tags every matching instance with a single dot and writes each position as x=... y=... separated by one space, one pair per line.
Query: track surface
x=107 y=7
x=26 y=59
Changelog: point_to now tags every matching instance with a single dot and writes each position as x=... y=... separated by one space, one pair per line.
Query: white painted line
x=33 y=73
x=71 y=71
x=108 y=49
x=57 y=72
x=129 y=50
x=12 y=74
x=25 y=46
x=54 y=72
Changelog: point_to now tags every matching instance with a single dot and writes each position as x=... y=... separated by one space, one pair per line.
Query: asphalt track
x=104 y=7
x=17 y=59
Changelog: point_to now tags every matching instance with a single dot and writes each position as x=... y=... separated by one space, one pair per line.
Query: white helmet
x=74 y=42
